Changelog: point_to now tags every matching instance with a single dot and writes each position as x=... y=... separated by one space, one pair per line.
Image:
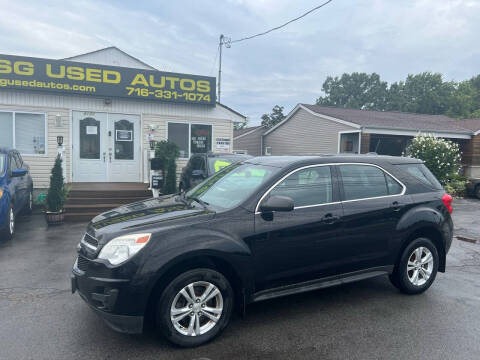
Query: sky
x=392 y=38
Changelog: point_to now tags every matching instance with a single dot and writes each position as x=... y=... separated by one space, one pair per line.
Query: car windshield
x=232 y=185
x=2 y=163
x=217 y=163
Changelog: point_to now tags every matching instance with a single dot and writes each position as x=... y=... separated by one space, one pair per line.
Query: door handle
x=104 y=156
x=330 y=219
x=110 y=156
x=396 y=206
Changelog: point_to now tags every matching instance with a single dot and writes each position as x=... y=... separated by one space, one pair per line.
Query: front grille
x=82 y=263
x=89 y=239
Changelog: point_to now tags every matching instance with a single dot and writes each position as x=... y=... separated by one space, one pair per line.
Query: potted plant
x=56 y=195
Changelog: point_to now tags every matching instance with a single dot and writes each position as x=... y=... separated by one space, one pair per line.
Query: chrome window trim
x=404 y=188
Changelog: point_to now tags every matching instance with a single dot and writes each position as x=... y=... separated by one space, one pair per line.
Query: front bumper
x=105 y=296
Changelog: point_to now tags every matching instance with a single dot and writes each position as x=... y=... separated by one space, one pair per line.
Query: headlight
x=122 y=248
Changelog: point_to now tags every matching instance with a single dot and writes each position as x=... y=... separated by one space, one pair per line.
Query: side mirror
x=19 y=173
x=277 y=203
x=198 y=174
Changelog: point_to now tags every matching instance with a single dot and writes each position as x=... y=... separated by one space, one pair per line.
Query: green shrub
x=168 y=152
x=441 y=157
x=56 y=192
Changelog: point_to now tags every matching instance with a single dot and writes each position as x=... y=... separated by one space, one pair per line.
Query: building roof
x=393 y=119
x=112 y=56
x=230 y=109
x=247 y=130
x=472 y=124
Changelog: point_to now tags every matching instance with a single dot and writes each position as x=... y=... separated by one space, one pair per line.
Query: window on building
x=178 y=134
x=201 y=138
x=311 y=186
x=24 y=132
x=191 y=138
x=363 y=181
x=268 y=150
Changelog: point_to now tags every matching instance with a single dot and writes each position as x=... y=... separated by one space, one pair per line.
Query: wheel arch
x=192 y=261
x=432 y=233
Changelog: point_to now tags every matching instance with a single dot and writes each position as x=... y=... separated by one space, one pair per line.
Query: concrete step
x=81 y=217
x=103 y=200
x=90 y=208
x=104 y=194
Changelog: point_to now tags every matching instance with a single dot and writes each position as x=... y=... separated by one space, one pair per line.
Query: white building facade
x=106 y=138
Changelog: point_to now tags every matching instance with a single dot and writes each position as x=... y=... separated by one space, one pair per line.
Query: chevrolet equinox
x=260 y=229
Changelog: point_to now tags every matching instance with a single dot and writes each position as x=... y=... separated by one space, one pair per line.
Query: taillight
x=447 y=200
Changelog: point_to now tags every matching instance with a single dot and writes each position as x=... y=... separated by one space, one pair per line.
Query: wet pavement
x=41 y=319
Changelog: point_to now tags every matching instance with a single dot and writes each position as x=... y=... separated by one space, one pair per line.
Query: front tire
x=9 y=230
x=195 y=307
x=417 y=268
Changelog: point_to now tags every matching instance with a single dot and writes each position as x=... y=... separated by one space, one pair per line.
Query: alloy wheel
x=196 y=309
x=420 y=266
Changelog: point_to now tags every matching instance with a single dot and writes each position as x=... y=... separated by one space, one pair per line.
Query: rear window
x=421 y=172
x=216 y=164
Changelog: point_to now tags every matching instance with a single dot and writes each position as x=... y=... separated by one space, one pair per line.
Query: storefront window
x=124 y=140
x=29 y=130
x=190 y=138
x=178 y=134
x=201 y=138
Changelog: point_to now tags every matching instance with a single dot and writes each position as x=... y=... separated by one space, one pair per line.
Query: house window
x=178 y=134
x=190 y=138
x=25 y=132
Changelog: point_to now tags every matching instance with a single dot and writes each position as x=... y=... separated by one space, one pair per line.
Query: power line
x=283 y=25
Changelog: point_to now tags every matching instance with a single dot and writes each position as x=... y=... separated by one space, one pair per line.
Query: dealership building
x=105 y=107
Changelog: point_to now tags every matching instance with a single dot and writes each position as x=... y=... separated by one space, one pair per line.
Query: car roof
x=286 y=161
x=229 y=155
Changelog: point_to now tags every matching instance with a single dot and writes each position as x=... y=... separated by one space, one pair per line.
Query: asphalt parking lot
x=41 y=319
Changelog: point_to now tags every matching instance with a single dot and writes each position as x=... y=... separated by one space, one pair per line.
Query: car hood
x=151 y=213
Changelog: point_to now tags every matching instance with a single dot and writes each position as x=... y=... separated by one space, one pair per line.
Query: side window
x=393 y=186
x=11 y=163
x=311 y=186
x=198 y=163
x=18 y=160
x=362 y=181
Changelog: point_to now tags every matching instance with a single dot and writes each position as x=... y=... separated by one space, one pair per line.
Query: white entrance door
x=106 y=147
x=124 y=148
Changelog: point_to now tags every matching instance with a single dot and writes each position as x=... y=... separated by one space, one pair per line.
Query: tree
x=270 y=120
x=240 y=125
x=424 y=93
x=56 y=191
x=356 y=91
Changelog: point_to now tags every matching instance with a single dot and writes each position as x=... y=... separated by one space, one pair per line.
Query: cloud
x=392 y=38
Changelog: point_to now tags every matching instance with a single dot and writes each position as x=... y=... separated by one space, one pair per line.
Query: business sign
x=68 y=77
x=222 y=144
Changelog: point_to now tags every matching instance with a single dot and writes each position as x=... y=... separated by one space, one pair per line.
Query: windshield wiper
x=200 y=201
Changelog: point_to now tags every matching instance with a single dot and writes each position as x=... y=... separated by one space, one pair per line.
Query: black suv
x=259 y=229
x=202 y=166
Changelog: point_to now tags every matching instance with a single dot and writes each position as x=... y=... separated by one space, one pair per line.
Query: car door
x=290 y=247
x=22 y=182
x=370 y=205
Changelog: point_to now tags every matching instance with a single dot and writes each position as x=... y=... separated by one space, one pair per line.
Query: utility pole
x=220 y=44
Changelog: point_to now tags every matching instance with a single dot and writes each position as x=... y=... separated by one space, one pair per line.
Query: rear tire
x=191 y=320
x=9 y=230
x=417 y=267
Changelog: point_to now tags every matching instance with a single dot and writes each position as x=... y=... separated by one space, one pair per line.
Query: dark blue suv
x=16 y=190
